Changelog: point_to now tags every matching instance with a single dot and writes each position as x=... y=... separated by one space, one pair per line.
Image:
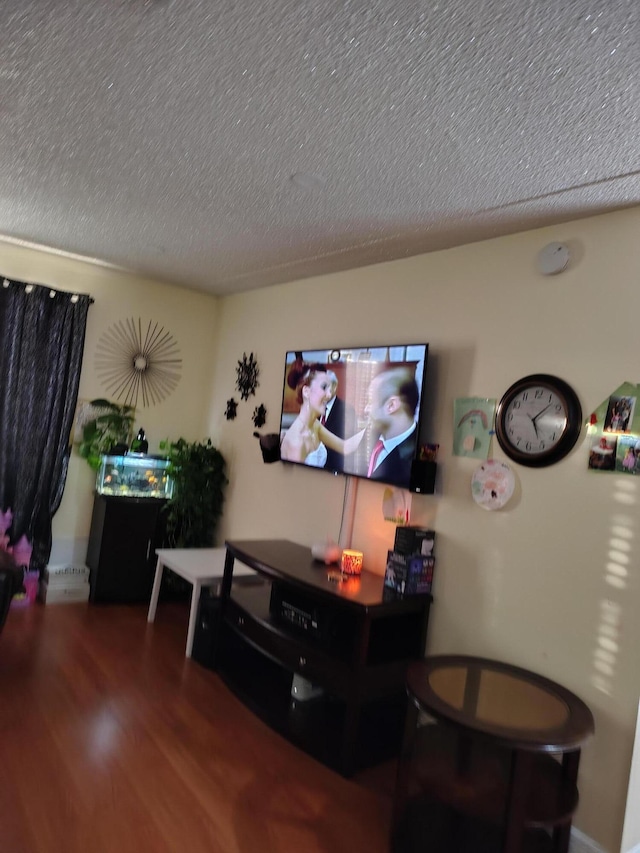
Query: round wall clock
x=538 y=420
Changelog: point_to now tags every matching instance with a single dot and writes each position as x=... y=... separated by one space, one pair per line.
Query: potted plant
x=198 y=473
x=108 y=431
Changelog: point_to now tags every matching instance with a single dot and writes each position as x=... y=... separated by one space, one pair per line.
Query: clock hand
x=535 y=418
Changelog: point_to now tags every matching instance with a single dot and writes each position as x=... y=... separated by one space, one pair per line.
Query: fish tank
x=134 y=475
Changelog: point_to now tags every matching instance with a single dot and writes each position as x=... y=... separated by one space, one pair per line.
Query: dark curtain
x=42 y=335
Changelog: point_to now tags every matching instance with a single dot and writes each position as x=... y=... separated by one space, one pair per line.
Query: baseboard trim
x=581 y=843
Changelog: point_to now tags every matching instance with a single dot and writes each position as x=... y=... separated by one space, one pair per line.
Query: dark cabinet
x=125 y=533
x=346 y=644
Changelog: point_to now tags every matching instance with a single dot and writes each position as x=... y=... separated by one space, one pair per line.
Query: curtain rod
x=29 y=285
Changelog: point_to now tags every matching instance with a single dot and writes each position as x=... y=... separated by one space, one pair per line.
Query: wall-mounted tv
x=354 y=410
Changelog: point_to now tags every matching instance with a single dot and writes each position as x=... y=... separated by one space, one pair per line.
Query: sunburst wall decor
x=132 y=362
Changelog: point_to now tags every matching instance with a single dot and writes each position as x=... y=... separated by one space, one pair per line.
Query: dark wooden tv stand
x=353 y=641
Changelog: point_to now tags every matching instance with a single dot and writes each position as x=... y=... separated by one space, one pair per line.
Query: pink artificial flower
x=22 y=551
x=6 y=518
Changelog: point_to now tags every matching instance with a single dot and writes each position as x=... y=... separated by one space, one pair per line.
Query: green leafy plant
x=111 y=426
x=198 y=473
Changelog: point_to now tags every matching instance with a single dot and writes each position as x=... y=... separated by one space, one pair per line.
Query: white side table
x=200 y=567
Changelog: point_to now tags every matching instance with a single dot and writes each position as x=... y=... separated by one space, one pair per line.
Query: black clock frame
x=570 y=434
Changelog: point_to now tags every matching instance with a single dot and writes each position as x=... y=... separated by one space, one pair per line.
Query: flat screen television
x=354 y=410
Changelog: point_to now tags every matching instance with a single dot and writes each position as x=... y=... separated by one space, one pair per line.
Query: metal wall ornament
x=232 y=410
x=135 y=362
x=259 y=415
x=247 y=372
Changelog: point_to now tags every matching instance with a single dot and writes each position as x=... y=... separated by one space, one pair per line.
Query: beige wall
x=631 y=834
x=533 y=584
x=191 y=319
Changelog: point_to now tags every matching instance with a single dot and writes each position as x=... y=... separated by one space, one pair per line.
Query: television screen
x=354 y=410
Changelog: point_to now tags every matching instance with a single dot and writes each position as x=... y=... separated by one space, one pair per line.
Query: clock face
x=535 y=419
x=538 y=420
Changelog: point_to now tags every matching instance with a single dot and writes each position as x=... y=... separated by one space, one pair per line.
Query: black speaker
x=423 y=477
x=206 y=625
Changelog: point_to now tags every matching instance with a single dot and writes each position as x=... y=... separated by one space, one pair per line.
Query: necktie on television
x=374 y=456
x=323 y=420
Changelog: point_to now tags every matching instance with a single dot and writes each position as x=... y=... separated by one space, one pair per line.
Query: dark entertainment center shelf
x=352 y=641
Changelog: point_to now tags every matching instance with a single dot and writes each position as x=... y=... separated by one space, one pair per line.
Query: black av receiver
x=317 y=622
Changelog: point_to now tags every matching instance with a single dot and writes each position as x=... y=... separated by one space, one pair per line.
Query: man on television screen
x=393 y=399
x=340 y=419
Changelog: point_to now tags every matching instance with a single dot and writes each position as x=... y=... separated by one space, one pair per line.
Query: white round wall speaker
x=554 y=258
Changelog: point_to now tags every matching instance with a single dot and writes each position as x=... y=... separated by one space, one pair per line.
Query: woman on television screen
x=307 y=439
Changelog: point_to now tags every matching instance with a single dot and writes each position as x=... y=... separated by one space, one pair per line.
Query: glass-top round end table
x=489 y=760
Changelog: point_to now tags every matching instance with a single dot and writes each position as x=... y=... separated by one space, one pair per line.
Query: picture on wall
x=602 y=455
x=473 y=419
x=619 y=415
x=628 y=454
x=614 y=432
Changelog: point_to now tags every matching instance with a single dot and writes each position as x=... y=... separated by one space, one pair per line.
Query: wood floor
x=112 y=742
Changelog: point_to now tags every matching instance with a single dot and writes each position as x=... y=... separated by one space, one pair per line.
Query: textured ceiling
x=162 y=135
